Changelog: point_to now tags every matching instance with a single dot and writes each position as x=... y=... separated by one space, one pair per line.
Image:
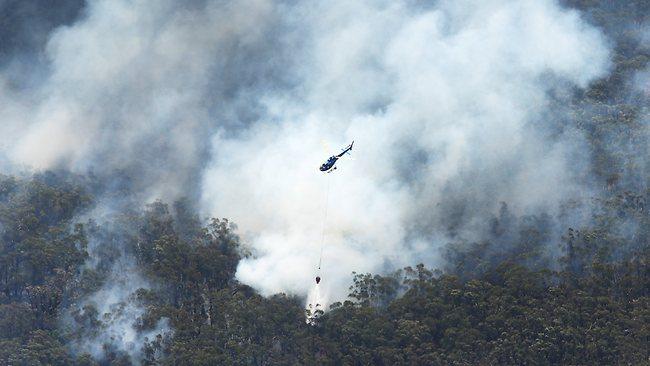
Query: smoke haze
x=442 y=102
x=451 y=105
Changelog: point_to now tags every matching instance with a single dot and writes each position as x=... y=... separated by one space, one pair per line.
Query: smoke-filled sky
x=229 y=103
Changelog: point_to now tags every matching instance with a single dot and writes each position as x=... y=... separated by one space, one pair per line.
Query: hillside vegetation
x=584 y=302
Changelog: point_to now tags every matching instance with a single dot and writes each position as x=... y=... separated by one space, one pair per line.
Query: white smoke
x=120 y=316
x=229 y=101
x=133 y=86
x=316 y=304
x=442 y=103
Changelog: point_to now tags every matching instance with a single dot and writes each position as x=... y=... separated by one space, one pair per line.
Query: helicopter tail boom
x=346 y=150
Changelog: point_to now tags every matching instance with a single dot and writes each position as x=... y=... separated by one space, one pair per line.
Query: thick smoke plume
x=448 y=108
x=227 y=103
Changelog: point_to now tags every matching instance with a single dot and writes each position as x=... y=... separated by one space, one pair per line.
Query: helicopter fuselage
x=328 y=166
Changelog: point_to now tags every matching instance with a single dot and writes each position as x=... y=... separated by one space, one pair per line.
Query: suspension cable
x=322 y=242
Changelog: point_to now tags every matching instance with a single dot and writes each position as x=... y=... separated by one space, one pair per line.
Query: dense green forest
x=595 y=309
x=585 y=302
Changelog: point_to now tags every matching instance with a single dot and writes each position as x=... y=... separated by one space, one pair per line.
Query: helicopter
x=328 y=166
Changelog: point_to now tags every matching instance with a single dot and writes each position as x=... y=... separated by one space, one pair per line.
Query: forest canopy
x=88 y=283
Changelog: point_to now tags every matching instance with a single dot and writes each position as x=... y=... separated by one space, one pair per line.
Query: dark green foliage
x=514 y=297
x=594 y=309
x=41 y=250
x=40 y=245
